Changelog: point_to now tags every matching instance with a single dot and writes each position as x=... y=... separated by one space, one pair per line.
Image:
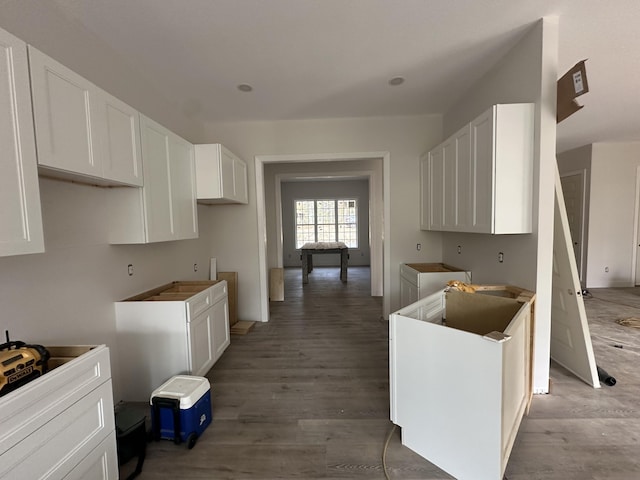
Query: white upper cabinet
x=82 y=132
x=221 y=175
x=20 y=215
x=444 y=171
x=182 y=169
x=120 y=140
x=165 y=208
x=481 y=178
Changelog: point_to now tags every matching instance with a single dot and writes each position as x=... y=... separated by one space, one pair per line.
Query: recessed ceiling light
x=396 y=81
x=245 y=87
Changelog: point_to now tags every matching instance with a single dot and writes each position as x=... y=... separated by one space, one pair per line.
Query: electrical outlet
x=459 y=249
x=130 y=269
x=500 y=257
x=195 y=267
x=418 y=246
x=606 y=269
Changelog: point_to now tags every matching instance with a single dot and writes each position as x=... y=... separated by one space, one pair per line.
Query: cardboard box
x=571 y=85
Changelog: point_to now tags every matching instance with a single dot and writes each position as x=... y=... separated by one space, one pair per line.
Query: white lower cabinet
x=61 y=425
x=100 y=464
x=460 y=382
x=178 y=328
x=417 y=280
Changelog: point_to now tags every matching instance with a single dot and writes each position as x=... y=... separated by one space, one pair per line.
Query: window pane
x=326 y=233
x=326 y=221
x=348 y=222
x=326 y=212
x=349 y=235
x=305 y=212
x=305 y=222
x=304 y=234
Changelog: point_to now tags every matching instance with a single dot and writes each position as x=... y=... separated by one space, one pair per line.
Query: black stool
x=131 y=438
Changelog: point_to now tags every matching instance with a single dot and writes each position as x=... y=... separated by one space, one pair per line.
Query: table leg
x=305 y=267
x=343 y=264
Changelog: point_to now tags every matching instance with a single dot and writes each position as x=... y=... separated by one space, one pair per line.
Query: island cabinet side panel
x=152 y=345
x=447 y=396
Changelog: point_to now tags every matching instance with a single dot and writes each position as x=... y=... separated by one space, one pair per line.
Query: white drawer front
x=219 y=291
x=100 y=464
x=198 y=303
x=34 y=404
x=58 y=446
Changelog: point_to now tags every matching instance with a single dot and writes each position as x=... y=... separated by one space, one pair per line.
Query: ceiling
x=334 y=58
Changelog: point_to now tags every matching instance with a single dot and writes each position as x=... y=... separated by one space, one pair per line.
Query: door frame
x=581 y=266
x=378 y=202
x=635 y=258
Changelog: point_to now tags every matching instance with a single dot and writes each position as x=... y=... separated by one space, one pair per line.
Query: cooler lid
x=187 y=388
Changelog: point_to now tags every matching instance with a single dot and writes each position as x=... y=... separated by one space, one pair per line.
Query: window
x=327 y=221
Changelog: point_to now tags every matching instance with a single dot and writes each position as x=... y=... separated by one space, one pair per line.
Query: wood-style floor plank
x=306 y=396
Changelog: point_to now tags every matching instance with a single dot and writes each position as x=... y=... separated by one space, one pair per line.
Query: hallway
x=305 y=396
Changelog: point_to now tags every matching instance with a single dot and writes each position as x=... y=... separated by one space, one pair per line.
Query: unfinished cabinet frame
x=460 y=377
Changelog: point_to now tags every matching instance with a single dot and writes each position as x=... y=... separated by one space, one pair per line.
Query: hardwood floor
x=306 y=396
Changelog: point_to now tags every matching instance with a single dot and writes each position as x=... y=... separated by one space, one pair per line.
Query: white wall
x=527 y=73
x=613 y=214
x=405 y=138
x=611 y=210
x=65 y=296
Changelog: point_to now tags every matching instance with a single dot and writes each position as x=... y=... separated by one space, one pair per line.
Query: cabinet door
x=482 y=155
x=425 y=193
x=227 y=182
x=120 y=140
x=183 y=188
x=20 y=216
x=221 y=334
x=464 y=184
x=408 y=293
x=64 y=117
x=436 y=189
x=201 y=352
x=449 y=186
x=240 y=181
x=158 y=207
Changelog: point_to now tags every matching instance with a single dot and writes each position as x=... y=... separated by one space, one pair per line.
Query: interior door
x=570 y=338
x=573 y=192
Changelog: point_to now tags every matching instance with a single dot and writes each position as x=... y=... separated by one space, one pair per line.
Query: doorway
x=332 y=164
x=573 y=189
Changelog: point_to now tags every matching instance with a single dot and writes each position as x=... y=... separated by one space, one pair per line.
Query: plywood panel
x=276 y=285
x=232 y=298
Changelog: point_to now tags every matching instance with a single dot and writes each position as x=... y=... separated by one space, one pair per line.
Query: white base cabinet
x=417 y=280
x=179 y=328
x=459 y=366
x=61 y=425
x=480 y=179
x=20 y=216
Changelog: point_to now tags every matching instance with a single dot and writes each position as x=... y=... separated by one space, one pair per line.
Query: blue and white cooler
x=181 y=409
